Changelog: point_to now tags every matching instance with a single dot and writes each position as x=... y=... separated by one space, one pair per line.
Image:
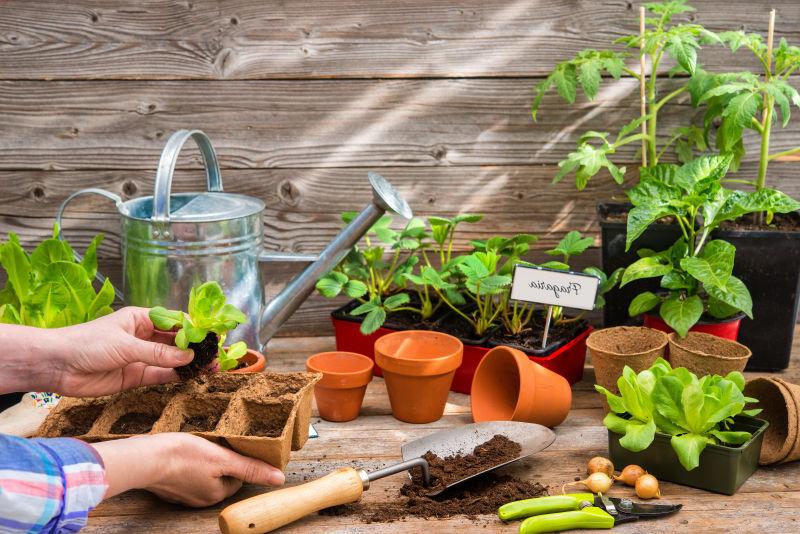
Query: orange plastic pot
x=418 y=367
x=256 y=362
x=508 y=386
x=345 y=376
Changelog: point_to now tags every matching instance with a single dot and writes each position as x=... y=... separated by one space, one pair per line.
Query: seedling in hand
x=203 y=329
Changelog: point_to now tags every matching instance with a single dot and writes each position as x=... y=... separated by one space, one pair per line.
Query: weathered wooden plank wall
x=301 y=98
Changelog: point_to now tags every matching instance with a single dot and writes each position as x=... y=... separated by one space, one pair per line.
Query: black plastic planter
x=612 y=233
x=722 y=469
x=768 y=262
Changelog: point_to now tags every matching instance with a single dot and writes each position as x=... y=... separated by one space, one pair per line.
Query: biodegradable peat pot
x=724 y=328
x=613 y=348
x=345 y=376
x=780 y=404
x=418 y=367
x=255 y=361
x=722 y=469
x=707 y=354
x=510 y=387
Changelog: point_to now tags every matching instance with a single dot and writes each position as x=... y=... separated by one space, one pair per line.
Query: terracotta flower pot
x=345 y=376
x=508 y=386
x=256 y=362
x=418 y=367
x=707 y=354
x=612 y=349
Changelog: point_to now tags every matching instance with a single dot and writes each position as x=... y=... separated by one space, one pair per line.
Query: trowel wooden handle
x=266 y=512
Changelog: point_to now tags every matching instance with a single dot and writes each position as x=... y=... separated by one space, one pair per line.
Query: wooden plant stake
x=547 y=326
x=643 y=105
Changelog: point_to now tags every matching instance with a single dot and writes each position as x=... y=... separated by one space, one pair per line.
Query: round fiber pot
x=340 y=392
x=418 y=367
x=613 y=348
x=255 y=363
x=779 y=403
x=508 y=386
x=724 y=328
x=707 y=354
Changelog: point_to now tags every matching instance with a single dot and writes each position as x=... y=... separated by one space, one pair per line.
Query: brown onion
x=598 y=464
x=630 y=475
x=596 y=483
x=647 y=487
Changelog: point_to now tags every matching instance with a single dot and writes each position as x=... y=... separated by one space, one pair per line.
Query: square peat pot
x=722 y=469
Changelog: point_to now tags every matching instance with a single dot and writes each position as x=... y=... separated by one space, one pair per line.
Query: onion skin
x=630 y=475
x=647 y=487
x=598 y=464
x=596 y=483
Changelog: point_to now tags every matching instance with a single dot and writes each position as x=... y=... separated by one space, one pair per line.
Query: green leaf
x=101 y=304
x=614 y=401
x=731 y=438
x=713 y=269
x=681 y=313
x=396 y=300
x=688 y=448
x=355 y=289
x=332 y=284
x=615 y=423
x=89 y=262
x=589 y=78
x=237 y=350
x=566 y=82
x=164 y=319
x=735 y=294
x=647 y=267
x=638 y=436
x=571 y=244
x=683 y=49
x=641 y=217
x=643 y=302
x=373 y=320
x=17 y=265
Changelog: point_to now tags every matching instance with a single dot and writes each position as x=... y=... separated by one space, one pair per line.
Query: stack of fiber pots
x=705 y=354
x=418 y=367
x=613 y=348
x=780 y=402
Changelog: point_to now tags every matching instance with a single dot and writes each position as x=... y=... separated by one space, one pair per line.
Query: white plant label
x=555 y=288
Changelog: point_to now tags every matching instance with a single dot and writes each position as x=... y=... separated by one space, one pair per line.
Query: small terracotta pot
x=612 y=349
x=256 y=362
x=707 y=354
x=345 y=376
x=508 y=386
x=418 y=367
x=780 y=404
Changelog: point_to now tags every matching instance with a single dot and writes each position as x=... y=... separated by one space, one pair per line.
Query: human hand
x=119 y=351
x=180 y=467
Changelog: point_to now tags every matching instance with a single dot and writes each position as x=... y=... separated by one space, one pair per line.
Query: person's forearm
x=120 y=455
x=29 y=358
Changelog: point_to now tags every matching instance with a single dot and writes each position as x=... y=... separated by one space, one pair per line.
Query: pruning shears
x=579 y=510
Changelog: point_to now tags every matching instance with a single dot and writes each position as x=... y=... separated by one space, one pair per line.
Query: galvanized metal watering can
x=171 y=242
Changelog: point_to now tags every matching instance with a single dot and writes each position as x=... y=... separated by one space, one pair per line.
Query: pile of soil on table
x=478 y=496
x=204 y=354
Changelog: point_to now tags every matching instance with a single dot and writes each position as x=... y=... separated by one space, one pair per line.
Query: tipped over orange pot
x=418 y=366
x=345 y=376
x=508 y=386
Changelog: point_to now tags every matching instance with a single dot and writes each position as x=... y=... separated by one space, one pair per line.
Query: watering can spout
x=279 y=309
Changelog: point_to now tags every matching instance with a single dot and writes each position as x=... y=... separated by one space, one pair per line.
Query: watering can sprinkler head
x=279 y=309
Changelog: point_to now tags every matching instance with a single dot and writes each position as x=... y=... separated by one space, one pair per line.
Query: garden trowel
x=268 y=511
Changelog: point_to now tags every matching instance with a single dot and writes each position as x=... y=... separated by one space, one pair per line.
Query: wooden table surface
x=768 y=502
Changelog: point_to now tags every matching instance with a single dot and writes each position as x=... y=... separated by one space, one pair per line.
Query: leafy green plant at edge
x=695 y=411
x=48 y=288
x=207 y=311
x=696 y=274
x=662 y=38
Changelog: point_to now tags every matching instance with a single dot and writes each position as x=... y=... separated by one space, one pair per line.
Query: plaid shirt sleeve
x=48 y=485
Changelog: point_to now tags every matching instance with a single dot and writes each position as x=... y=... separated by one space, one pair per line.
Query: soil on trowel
x=531 y=338
x=204 y=354
x=134 y=423
x=200 y=423
x=479 y=496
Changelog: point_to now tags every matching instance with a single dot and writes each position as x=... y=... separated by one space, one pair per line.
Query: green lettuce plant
x=48 y=288
x=207 y=313
x=663 y=38
x=695 y=411
x=696 y=274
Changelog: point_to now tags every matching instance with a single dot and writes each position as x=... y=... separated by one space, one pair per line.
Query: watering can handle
x=60 y=213
x=166 y=167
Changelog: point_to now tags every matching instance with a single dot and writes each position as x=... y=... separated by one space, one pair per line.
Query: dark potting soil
x=80 y=419
x=204 y=354
x=782 y=222
x=268 y=420
x=200 y=423
x=531 y=339
x=478 y=496
x=457 y=326
x=134 y=423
